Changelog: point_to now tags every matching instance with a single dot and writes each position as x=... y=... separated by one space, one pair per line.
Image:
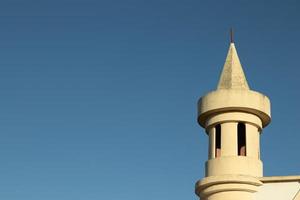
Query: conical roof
x=232 y=76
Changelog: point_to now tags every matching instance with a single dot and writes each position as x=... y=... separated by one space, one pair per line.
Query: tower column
x=229 y=139
x=252 y=141
x=212 y=143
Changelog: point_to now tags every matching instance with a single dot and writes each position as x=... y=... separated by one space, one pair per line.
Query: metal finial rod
x=231 y=35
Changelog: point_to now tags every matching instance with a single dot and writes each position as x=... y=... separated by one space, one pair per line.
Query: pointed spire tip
x=231 y=35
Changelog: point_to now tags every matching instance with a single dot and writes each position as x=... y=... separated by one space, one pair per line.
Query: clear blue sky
x=98 y=98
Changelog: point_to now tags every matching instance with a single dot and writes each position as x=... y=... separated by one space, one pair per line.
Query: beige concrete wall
x=231 y=195
x=242 y=165
x=278 y=191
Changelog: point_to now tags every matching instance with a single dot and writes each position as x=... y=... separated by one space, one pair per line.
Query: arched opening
x=241 y=139
x=218 y=141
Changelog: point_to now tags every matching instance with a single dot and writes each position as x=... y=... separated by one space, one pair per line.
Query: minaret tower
x=233 y=117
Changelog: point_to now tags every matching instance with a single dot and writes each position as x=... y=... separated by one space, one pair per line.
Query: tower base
x=227 y=187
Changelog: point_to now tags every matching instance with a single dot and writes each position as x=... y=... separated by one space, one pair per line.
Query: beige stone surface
x=278 y=191
x=229 y=187
x=221 y=101
x=242 y=165
x=232 y=76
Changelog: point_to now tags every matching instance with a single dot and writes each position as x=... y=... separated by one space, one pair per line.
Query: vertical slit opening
x=218 y=141
x=241 y=139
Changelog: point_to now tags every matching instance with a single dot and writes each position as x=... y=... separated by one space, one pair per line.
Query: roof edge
x=274 y=179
